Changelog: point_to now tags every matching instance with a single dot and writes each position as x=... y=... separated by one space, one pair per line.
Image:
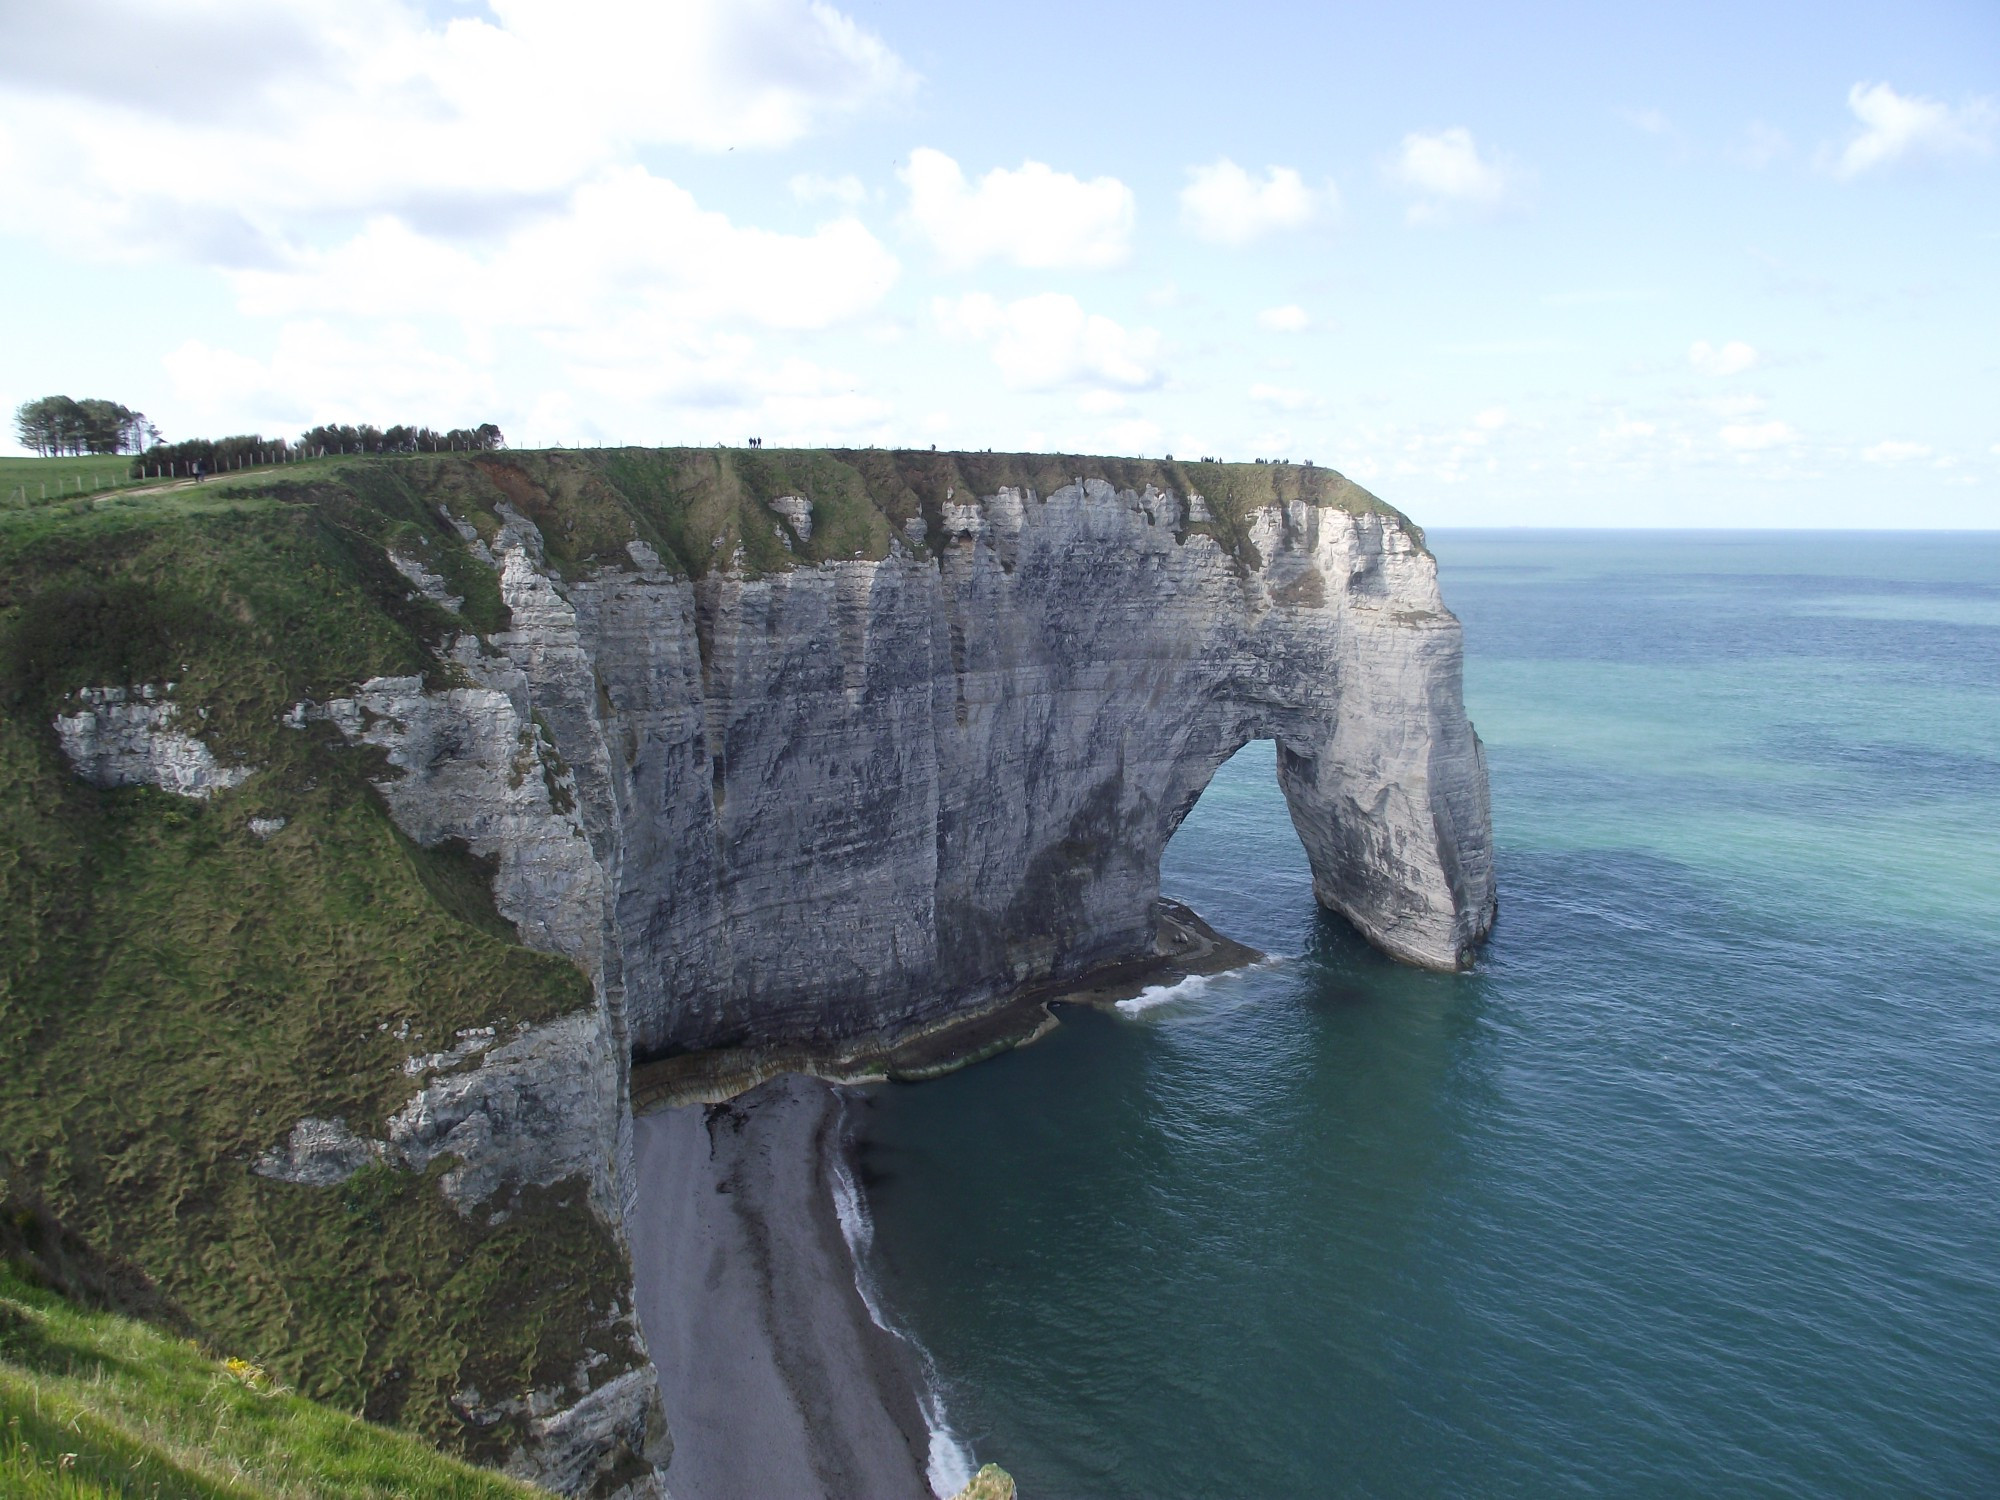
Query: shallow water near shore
x=1692 y=1189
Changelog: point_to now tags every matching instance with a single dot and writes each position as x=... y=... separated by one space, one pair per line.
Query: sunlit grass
x=92 y=1404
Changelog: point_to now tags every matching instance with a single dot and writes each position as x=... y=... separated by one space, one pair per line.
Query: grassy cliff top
x=703 y=508
x=698 y=506
x=92 y=1403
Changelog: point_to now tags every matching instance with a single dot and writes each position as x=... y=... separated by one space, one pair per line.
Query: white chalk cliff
x=839 y=801
x=853 y=797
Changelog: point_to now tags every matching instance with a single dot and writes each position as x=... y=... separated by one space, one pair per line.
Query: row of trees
x=215 y=455
x=211 y=456
x=56 y=425
x=365 y=439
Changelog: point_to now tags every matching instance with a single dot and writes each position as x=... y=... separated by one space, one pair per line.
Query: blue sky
x=1550 y=264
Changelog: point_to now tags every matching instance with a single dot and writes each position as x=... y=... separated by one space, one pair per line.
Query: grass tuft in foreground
x=94 y=1404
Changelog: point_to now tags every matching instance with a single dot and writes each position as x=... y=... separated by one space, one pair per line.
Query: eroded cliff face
x=858 y=796
x=834 y=800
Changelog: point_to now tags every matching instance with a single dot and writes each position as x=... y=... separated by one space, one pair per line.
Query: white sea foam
x=950 y=1467
x=1161 y=994
x=1187 y=988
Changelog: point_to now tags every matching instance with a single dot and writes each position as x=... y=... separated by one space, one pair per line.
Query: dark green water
x=1692 y=1189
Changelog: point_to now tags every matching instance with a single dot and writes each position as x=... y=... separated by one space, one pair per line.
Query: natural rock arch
x=859 y=797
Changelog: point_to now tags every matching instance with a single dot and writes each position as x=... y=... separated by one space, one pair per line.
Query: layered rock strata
x=847 y=800
x=860 y=796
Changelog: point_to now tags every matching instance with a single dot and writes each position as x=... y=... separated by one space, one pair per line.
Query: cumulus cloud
x=1136 y=435
x=1732 y=358
x=257 y=119
x=577 y=385
x=1225 y=204
x=626 y=246
x=316 y=372
x=1034 y=216
x=1893 y=452
x=628 y=288
x=1895 y=126
x=1755 y=437
x=1044 y=342
x=810 y=187
x=384 y=164
x=1282 y=398
x=1451 y=177
x=1291 y=318
x=728 y=383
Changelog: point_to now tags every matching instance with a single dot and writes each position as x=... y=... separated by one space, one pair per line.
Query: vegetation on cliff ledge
x=178 y=987
x=176 y=991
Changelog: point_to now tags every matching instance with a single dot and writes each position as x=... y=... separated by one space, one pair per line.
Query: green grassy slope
x=176 y=992
x=35 y=481
x=93 y=1404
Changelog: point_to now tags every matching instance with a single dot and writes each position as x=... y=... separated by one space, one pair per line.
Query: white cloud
x=1282 y=398
x=1741 y=404
x=365 y=171
x=1895 y=453
x=1135 y=436
x=1225 y=204
x=1895 y=126
x=256 y=120
x=1291 y=318
x=1451 y=177
x=1035 y=216
x=810 y=187
x=1761 y=146
x=1754 y=437
x=1047 y=341
x=626 y=287
x=1480 y=433
x=317 y=373
x=623 y=249
x=1732 y=358
x=690 y=386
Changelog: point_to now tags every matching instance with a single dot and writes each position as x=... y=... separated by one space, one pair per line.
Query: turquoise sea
x=1693 y=1188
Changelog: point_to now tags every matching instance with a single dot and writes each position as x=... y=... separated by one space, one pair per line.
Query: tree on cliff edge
x=55 y=425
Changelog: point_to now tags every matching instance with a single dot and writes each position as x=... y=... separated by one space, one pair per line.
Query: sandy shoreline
x=777 y=1381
